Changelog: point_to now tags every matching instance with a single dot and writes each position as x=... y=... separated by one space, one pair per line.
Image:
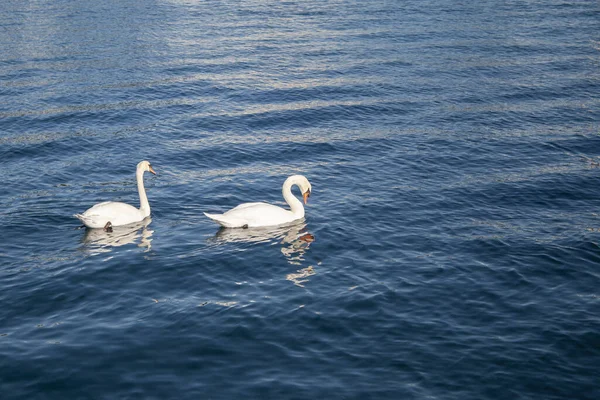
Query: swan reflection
x=295 y=241
x=101 y=241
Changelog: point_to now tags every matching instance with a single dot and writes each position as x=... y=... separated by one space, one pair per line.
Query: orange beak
x=305 y=196
x=151 y=170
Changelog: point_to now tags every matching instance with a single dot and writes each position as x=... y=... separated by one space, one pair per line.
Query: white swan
x=254 y=215
x=114 y=213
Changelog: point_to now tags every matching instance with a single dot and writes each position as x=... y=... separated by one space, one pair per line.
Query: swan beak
x=151 y=170
x=305 y=196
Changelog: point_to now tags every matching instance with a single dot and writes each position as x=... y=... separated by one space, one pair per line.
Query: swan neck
x=144 y=205
x=295 y=205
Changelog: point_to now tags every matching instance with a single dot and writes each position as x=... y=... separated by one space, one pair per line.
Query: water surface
x=450 y=248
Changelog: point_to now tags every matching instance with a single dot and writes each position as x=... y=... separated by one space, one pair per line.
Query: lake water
x=451 y=245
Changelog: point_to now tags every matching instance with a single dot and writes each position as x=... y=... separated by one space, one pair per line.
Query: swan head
x=306 y=195
x=145 y=166
x=303 y=184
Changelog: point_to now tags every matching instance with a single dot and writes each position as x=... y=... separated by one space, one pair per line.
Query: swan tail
x=85 y=221
x=90 y=222
x=226 y=222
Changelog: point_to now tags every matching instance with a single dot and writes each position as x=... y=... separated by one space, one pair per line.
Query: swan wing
x=251 y=215
x=115 y=212
x=246 y=205
x=226 y=221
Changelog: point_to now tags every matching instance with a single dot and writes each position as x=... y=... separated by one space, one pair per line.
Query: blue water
x=452 y=149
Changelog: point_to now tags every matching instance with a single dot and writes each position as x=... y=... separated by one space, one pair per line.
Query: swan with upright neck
x=254 y=215
x=114 y=213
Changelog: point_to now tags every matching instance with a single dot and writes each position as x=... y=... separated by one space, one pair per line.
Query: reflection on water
x=99 y=241
x=295 y=241
x=298 y=277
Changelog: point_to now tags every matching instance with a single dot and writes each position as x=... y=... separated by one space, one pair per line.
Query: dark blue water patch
x=47 y=150
x=541 y=193
x=309 y=117
x=240 y=155
x=316 y=92
x=579 y=146
x=64 y=119
x=207 y=67
x=11 y=77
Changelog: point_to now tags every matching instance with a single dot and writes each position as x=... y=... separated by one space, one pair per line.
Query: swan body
x=118 y=213
x=254 y=215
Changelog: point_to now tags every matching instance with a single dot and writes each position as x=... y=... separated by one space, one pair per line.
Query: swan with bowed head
x=254 y=215
x=113 y=213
